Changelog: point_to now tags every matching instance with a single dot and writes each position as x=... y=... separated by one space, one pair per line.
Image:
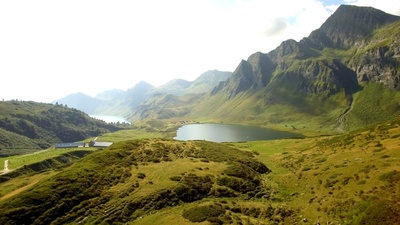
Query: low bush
x=141 y=175
x=392 y=176
x=202 y=213
x=175 y=178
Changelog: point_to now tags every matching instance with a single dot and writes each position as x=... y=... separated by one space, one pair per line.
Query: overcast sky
x=49 y=49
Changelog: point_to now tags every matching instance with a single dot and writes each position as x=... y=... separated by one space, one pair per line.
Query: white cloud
x=52 y=48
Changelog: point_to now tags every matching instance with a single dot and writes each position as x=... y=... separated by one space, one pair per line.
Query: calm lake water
x=110 y=119
x=229 y=133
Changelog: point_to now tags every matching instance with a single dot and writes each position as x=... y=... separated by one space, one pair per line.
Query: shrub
x=175 y=178
x=392 y=176
x=202 y=213
x=380 y=212
x=240 y=171
x=141 y=175
x=215 y=220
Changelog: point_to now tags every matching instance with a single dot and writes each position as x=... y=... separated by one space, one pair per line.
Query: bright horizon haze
x=49 y=49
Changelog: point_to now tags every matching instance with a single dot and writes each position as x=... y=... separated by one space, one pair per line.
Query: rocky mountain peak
x=253 y=73
x=346 y=25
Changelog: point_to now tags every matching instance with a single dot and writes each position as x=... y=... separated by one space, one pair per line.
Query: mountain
x=30 y=126
x=207 y=81
x=111 y=102
x=176 y=87
x=344 y=75
x=137 y=94
x=347 y=26
x=203 y=84
x=125 y=103
x=82 y=102
x=109 y=95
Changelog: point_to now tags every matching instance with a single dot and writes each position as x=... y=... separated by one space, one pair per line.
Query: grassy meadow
x=351 y=178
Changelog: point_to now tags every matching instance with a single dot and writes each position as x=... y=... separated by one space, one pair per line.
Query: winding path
x=5 y=168
x=343 y=115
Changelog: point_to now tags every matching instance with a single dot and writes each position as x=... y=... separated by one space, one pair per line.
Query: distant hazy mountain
x=204 y=83
x=176 y=87
x=111 y=95
x=207 y=81
x=82 y=102
x=124 y=103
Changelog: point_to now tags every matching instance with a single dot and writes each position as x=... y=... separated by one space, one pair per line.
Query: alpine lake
x=230 y=133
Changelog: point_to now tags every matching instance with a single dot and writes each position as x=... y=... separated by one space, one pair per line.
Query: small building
x=70 y=145
x=99 y=144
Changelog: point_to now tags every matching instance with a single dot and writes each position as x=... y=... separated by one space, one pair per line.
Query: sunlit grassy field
x=18 y=161
x=343 y=179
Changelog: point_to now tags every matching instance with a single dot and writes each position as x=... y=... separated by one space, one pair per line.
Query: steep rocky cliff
x=314 y=79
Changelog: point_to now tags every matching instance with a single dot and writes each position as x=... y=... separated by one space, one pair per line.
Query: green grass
x=17 y=185
x=18 y=161
x=374 y=104
x=129 y=134
x=337 y=178
x=136 y=174
x=27 y=126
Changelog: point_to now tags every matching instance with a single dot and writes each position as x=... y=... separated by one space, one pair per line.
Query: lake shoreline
x=219 y=132
x=110 y=118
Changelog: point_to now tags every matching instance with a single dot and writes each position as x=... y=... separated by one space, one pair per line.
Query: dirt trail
x=6 y=170
x=343 y=115
x=19 y=190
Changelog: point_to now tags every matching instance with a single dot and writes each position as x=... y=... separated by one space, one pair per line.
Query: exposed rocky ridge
x=310 y=69
x=378 y=58
x=348 y=24
x=253 y=74
x=313 y=78
x=318 y=77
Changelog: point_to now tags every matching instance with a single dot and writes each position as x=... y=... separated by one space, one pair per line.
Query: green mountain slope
x=30 y=126
x=324 y=82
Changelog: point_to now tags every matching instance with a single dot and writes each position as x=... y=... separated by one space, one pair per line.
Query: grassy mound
x=132 y=179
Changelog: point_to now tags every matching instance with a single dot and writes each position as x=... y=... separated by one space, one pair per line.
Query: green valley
x=338 y=88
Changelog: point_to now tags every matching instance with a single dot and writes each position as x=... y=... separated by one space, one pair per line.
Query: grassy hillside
x=134 y=178
x=373 y=104
x=351 y=179
x=30 y=126
x=343 y=179
x=263 y=109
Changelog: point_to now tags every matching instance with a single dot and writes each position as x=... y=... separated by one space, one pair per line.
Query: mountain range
x=123 y=103
x=345 y=74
